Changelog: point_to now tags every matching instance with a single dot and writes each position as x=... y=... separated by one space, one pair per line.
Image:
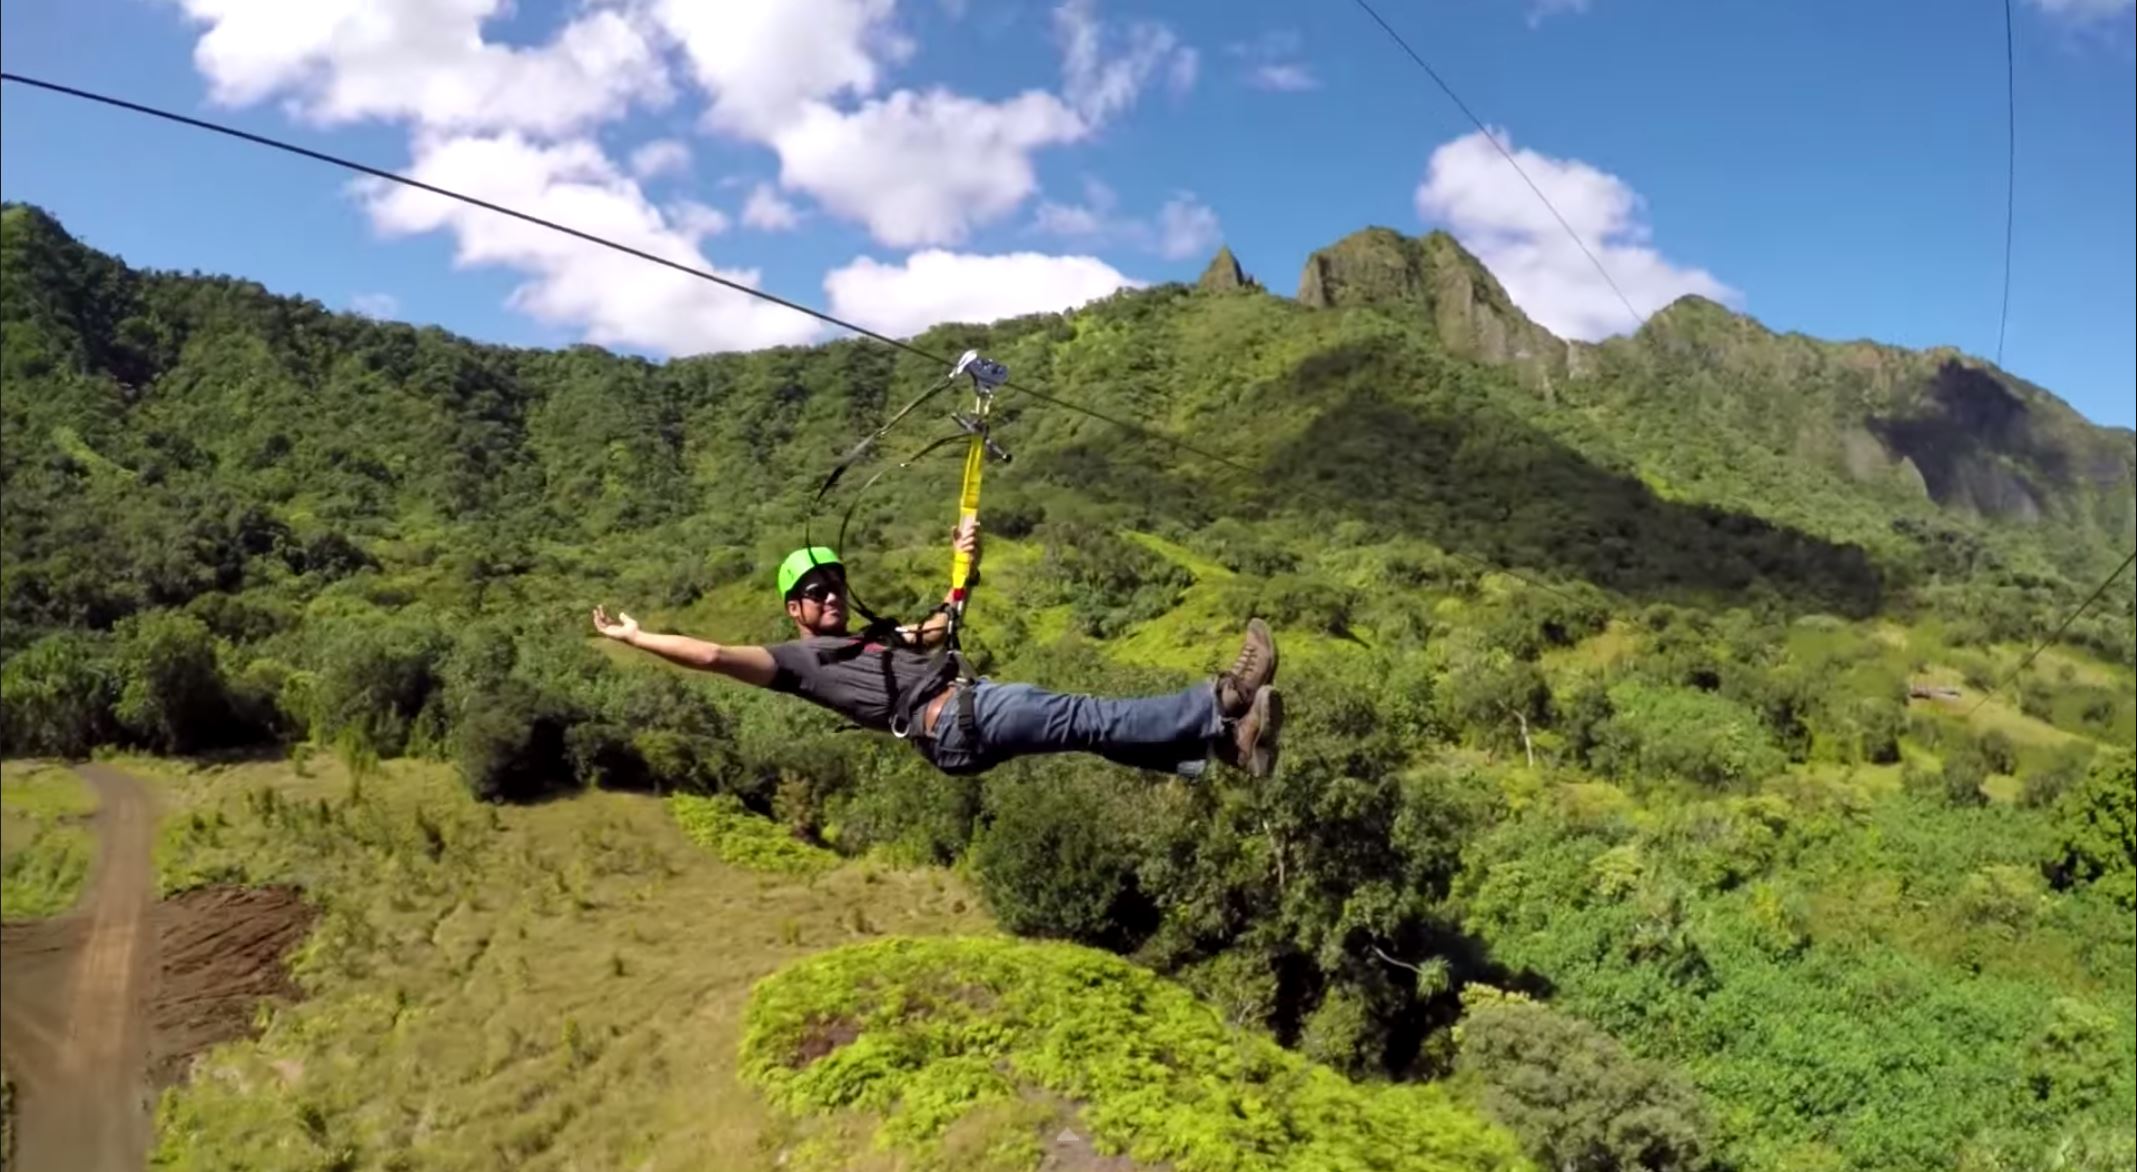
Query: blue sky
x=1829 y=167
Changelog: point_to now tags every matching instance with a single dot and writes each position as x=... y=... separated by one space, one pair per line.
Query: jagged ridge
x=1935 y=423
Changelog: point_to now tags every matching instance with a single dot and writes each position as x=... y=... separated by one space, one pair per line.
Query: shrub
x=57 y=696
x=1056 y=858
x=1577 y=1098
x=921 y=1032
x=2046 y=777
x=1109 y=583
x=742 y=839
x=1341 y=1032
x=1965 y=769
x=373 y=678
x=1682 y=733
x=173 y=699
x=511 y=745
x=2097 y=831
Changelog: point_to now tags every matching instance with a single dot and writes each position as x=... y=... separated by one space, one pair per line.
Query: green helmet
x=800 y=562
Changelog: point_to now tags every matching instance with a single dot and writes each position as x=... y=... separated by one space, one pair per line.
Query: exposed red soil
x=104 y=1005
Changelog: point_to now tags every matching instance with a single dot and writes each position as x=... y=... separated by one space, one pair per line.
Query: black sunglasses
x=820 y=591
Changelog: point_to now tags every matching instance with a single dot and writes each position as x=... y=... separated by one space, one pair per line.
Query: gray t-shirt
x=860 y=685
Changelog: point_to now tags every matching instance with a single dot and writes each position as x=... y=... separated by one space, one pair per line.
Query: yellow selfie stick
x=967 y=513
x=986 y=376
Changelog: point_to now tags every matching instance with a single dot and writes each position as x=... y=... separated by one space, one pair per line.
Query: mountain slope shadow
x=1444 y=464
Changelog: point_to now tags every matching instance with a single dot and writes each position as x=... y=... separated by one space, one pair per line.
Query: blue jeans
x=1167 y=734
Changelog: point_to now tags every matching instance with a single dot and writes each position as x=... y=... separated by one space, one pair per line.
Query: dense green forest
x=1608 y=800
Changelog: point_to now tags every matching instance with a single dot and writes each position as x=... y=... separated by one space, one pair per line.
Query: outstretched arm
x=751 y=665
x=965 y=538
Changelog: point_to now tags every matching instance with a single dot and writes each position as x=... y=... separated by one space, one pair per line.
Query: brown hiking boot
x=1253 y=670
x=1250 y=743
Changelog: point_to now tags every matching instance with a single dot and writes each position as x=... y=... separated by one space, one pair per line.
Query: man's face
x=819 y=602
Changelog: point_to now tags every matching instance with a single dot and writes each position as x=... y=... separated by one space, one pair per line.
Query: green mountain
x=1461 y=301
x=1862 y=420
x=1620 y=783
x=1696 y=460
x=1224 y=274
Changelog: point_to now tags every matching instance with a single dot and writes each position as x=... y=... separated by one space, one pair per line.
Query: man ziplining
x=964 y=725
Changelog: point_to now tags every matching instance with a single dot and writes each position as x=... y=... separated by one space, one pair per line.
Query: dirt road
x=75 y=995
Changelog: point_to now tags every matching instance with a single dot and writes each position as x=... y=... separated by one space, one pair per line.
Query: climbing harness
x=974 y=427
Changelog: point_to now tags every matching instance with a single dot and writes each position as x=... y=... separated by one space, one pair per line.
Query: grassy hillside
x=578 y=985
x=1608 y=791
x=44 y=839
x=1710 y=406
x=553 y=986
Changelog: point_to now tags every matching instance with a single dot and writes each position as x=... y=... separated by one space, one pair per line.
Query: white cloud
x=1186 y=227
x=1092 y=217
x=660 y=157
x=1287 y=77
x=695 y=221
x=1271 y=63
x=1067 y=219
x=1185 y=68
x=380 y=306
x=1542 y=10
x=2084 y=11
x=1101 y=81
x=917 y=168
x=764 y=62
x=1469 y=188
x=424 y=61
x=767 y=212
x=937 y=286
x=620 y=300
x=1183 y=227
x=922 y=169
x=808 y=79
x=479 y=113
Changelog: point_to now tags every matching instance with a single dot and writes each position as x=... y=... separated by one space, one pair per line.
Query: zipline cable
x=2043 y=645
x=2010 y=165
x=1639 y=319
x=364 y=168
x=906 y=347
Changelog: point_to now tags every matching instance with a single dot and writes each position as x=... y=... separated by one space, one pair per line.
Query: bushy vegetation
x=1684 y=776
x=562 y=981
x=45 y=844
x=921 y=1032
x=2096 y=824
x=721 y=825
x=1853 y=983
x=1575 y=1096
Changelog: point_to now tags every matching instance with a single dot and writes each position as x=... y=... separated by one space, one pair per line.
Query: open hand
x=622 y=632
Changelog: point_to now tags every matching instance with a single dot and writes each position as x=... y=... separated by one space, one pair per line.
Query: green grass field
x=587 y=984
x=568 y=986
x=558 y=986
x=44 y=838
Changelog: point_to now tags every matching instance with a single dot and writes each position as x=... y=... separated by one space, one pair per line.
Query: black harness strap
x=876 y=623
x=947 y=664
x=876 y=627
